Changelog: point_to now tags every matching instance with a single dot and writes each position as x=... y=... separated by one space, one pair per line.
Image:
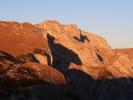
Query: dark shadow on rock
x=82 y=83
x=9 y=57
x=44 y=53
x=27 y=57
x=113 y=89
x=100 y=58
x=82 y=38
x=104 y=89
x=48 y=58
x=81 y=87
x=62 y=56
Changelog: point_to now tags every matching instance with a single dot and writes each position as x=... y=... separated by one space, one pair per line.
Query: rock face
x=127 y=51
x=22 y=46
x=20 y=38
x=82 y=49
x=50 y=60
x=85 y=45
x=29 y=73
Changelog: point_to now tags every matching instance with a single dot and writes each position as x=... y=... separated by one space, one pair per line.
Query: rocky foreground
x=51 y=61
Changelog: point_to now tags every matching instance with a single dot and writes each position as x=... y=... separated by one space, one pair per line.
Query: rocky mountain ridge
x=51 y=56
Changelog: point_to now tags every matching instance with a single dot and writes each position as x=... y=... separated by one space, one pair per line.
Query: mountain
x=17 y=39
x=93 y=52
x=50 y=60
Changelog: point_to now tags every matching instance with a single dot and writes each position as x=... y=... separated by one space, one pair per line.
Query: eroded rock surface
x=50 y=60
x=91 y=50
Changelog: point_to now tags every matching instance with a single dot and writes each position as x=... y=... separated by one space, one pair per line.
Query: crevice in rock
x=82 y=38
x=100 y=58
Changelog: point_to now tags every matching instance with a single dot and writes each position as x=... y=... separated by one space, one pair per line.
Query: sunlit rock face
x=91 y=50
x=86 y=45
x=126 y=51
x=50 y=60
x=20 y=38
x=64 y=47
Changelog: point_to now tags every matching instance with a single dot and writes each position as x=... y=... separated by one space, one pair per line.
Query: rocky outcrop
x=61 y=46
x=20 y=38
x=83 y=49
x=50 y=60
x=126 y=51
x=27 y=74
x=27 y=68
x=85 y=45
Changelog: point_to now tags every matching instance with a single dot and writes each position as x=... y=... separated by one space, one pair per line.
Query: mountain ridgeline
x=50 y=60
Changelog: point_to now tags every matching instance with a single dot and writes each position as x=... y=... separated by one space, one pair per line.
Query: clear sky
x=112 y=19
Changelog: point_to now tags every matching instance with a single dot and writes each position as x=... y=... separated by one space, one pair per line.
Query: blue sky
x=112 y=19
